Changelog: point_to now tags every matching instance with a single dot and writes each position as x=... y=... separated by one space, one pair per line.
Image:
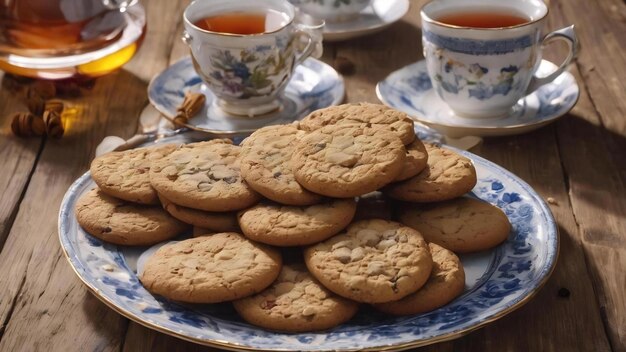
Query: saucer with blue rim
x=379 y=15
x=409 y=89
x=313 y=85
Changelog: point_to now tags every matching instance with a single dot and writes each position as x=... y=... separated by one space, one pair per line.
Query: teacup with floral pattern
x=483 y=72
x=247 y=72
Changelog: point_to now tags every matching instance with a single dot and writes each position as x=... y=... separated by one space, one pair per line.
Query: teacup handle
x=568 y=35
x=308 y=49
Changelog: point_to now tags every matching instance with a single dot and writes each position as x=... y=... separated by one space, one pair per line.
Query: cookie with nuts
x=447 y=175
x=446 y=282
x=125 y=174
x=375 y=116
x=347 y=160
x=373 y=261
x=117 y=221
x=286 y=225
x=295 y=302
x=265 y=165
x=203 y=176
x=416 y=160
x=205 y=220
x=462 y=225
x=211 y=269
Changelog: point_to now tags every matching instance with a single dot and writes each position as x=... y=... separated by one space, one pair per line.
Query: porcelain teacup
x=248 y=72
x=483 y=72
x=332 y=10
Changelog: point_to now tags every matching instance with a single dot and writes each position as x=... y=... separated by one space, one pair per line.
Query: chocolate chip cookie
x=373 y=261
x=446 y=282
x=295 y=302
x=210 y=269
x=284 y=225
x=120 y=222
x=265 y=165
x=462 y=225
x=448 y=175
x=203 y=176
x=347 y=160
x=364 y=114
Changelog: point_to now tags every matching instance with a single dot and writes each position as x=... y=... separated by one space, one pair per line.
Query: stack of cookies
x=326 y=189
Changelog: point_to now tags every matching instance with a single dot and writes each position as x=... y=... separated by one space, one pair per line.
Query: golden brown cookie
x=213 y=221
x=448 y=175
x=364 y=114
x=125 y=175
x=120 y=222
x=347 y=160
x=446 y=282
x=211 y=269
x=265 y=158
x=295 y=302
x=203 y=176
x=285 y=225
x=373 y=261
x=462 y=225
x=416 y=160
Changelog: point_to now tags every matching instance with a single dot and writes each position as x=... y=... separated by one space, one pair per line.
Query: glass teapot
x=57 y=39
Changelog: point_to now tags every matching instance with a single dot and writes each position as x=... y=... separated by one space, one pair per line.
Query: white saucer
x=409 y=89
x=376 y=17
x=314 y=85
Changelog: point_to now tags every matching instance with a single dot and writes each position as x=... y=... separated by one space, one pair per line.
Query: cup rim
x=430 y=20
x=226 y=34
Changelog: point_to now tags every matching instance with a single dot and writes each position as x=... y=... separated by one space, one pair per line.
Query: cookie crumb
x=552 y=201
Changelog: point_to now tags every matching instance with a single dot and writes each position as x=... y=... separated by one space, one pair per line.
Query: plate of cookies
x=351 y=229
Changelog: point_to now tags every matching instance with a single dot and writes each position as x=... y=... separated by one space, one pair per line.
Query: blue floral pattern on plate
x=497 y=281
x=410 y=90
x=313 y=85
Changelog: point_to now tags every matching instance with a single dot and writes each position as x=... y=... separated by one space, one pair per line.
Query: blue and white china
x=332 y=10
x=497 y=282
x=247 y=73
x=482 y=72
x=411 y=90
x=379 y=15
x=313 y=85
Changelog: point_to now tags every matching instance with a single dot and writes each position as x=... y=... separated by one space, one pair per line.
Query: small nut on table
x=54 y=105
x=45 y=89
x=35 y=103
x=53 y=124
x=25 y=124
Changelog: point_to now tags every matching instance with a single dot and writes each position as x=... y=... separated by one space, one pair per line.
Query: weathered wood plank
x=52 y=301
x=18 y=156
x=592 y=144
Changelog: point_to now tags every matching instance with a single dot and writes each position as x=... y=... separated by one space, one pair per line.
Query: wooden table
x=579 y=162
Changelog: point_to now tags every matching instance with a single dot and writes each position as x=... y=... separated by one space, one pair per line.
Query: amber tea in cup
x=484 y=19
x=243 y=23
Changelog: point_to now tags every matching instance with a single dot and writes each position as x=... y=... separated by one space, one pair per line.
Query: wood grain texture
x=18 y=155
x=40 y=290
x=580 y=162
x=592 y=147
